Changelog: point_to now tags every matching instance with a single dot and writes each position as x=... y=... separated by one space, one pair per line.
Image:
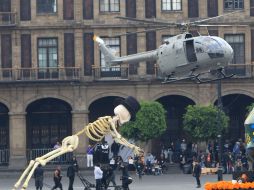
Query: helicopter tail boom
x=109 y=57
x=112 y=60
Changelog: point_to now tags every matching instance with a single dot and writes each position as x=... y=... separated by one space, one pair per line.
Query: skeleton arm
x=69 y=144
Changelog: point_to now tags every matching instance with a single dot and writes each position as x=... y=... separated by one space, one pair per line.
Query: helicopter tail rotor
x=109 y=56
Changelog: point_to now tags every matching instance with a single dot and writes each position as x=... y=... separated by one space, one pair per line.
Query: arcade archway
x=4 y=127
x=235 y=106
x=4 y=135
x=175 y=106
x=48 y=120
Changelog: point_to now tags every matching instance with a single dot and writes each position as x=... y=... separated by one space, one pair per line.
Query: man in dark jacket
x=71 y=176
x=38 y=176
x=197 y=172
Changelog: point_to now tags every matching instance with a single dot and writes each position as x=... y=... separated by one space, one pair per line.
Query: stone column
x=79 y=121
x=17 y=140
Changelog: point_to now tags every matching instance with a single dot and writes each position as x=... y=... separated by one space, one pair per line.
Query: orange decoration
x=228 y=185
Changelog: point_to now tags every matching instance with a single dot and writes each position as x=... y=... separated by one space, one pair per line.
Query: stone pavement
x=162 y=182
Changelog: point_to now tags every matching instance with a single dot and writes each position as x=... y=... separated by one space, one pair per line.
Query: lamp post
x=219 y=105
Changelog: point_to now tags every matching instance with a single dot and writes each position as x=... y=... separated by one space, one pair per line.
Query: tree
x=201 y=122
x=150 y=122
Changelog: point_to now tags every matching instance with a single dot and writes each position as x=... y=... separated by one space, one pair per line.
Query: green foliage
x=249 y=108
x=150 y=122
x=201 y=122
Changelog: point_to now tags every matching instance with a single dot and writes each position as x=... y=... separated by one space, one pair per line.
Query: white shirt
x=97 y=172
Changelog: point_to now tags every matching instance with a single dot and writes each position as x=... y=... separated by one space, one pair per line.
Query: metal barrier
x=34 y=153
x=4 y=156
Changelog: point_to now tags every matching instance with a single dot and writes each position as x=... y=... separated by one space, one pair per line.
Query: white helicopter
x=182 y=56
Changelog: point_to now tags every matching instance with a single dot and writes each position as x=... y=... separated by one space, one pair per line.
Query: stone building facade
x=52 y=70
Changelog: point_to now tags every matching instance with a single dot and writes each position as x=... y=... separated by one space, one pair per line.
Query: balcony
x=40 y=74
x=111 y=73
x=8 y=19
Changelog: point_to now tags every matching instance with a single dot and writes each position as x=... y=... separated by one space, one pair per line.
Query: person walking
x=197 y=172
x=38 y=176
x=57 y=179
x=71 y=175
x=98 y=174
x=89 y=156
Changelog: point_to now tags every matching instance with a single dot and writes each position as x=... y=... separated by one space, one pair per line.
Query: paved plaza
x=163 y=182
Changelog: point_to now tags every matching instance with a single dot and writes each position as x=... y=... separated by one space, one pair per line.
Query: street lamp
x=219 y=105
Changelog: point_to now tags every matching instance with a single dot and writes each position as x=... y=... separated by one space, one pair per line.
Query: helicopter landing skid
x=221 y=75
x=196 y=78
x=199 y=81
x=170 y=80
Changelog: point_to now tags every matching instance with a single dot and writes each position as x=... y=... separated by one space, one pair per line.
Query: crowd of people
x=106 y=160
x=232 y=155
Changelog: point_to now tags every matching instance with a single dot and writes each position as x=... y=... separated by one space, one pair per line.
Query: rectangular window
x=132 y=49
x=193 y=9
x=130 y=8
x=88 y=53
x=6 y=54
x=68 y=9
x=114 y=45
x=150 y=8
x=47 y=57
x=88 y=9
x=26 y=58
x=109 y=5
x=171 y=5
x=25 y=10
x=212 y=8
x=69 y=54
x=150 y=45
x=233 y=4
x=46 y=6
x=237 y=43
x=251 y=9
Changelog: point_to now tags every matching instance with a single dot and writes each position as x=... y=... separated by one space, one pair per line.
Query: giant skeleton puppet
x=96 y=131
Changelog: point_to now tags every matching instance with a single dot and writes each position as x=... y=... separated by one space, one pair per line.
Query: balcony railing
x=40 y=74
x=4 y=157
x=110 y=73
x=35 y=153
x=8 y=19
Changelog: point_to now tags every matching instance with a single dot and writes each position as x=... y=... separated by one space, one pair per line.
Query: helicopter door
x=190 y=51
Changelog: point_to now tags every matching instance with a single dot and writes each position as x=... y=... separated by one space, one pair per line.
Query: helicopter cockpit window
x=211 y=46
x=188 y=35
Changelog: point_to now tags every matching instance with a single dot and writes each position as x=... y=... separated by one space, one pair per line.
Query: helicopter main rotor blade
x=223 y=15
x=222 y=25
x=146 y=20
x=143 y=31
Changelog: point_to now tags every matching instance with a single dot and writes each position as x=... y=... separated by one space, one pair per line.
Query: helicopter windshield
x=211 y=46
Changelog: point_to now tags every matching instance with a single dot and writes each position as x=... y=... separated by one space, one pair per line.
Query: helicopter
x=182 y=56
